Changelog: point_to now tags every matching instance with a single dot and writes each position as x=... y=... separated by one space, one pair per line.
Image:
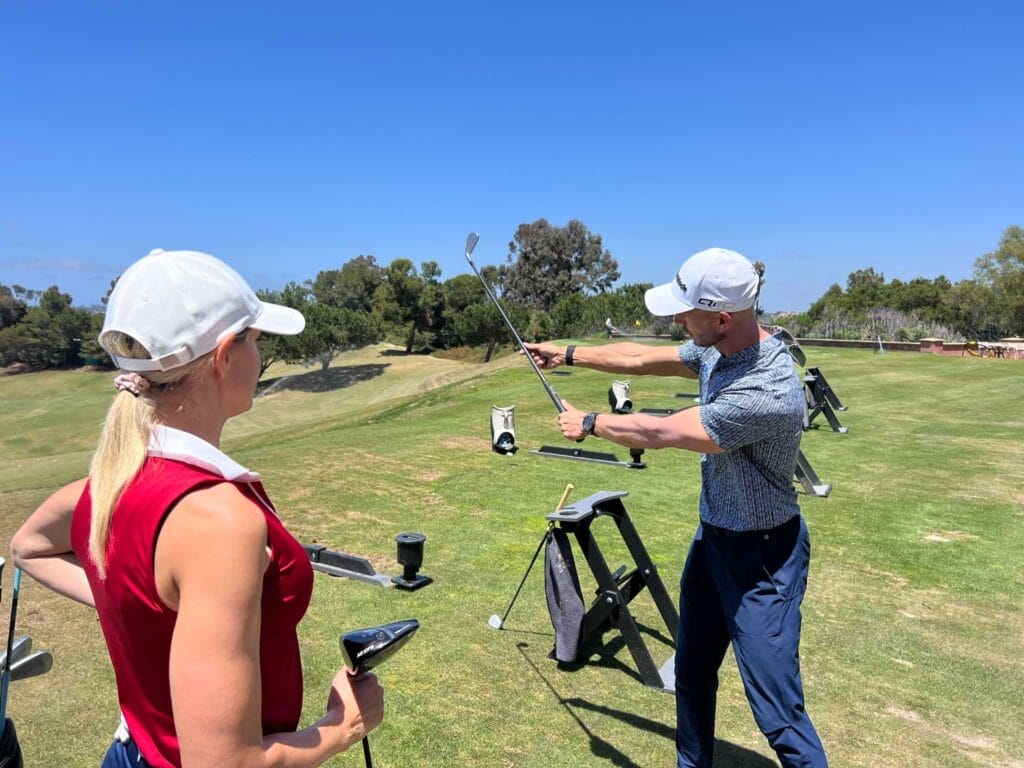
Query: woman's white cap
x=181 y=304
x=715 y=280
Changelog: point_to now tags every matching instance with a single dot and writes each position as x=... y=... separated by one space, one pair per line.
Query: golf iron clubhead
x=21 y=648
x=33 y=665
x=365 y=649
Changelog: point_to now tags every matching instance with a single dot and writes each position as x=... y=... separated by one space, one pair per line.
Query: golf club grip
x=565 y=495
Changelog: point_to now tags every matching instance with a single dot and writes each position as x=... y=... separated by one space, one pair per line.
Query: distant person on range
x=198 y=585
x=746 y=571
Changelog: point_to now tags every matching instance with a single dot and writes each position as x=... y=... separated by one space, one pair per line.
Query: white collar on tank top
x=170 y=443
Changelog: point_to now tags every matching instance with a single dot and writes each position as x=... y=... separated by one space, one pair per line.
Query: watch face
x=588 y=423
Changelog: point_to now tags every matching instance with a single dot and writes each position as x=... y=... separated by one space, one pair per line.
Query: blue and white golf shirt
x=752 y=406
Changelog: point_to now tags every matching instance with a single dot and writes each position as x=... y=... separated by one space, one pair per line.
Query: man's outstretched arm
x=624 y=358
x=683 y=429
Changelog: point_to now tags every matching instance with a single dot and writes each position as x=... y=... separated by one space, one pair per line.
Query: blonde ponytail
x=122 y=447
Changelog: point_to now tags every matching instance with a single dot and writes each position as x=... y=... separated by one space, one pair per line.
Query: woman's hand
x=355 y=706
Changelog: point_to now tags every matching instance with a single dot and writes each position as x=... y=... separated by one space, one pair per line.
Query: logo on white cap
x=716 y=279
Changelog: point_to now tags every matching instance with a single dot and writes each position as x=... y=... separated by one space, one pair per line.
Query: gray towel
x=565 y=600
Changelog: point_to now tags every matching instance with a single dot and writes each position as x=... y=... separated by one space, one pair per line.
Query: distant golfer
x=198 y=585
x=746 y=571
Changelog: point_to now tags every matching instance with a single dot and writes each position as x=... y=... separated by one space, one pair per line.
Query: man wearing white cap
x=746 y=571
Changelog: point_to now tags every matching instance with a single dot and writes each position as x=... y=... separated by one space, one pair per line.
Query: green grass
x=913 y=621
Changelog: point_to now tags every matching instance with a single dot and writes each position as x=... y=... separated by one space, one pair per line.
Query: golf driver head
x=471 y=242
x=365 y=649
x=33 y=665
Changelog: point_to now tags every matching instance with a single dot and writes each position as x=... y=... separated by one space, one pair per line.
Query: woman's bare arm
x=210 y=561
x=42 y=546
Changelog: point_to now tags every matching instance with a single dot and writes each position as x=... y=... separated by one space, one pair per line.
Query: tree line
x=556 y=282
x=987 y=306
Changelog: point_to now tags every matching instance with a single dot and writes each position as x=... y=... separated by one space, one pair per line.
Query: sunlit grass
x=913 y=618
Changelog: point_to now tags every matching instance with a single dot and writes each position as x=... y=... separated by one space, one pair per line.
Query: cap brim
x=276 y=319
x=662 y=302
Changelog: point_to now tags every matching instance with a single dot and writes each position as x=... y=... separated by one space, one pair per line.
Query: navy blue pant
x=744 y=589
x=123 y=755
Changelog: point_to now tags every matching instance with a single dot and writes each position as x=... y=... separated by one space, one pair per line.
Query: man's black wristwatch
x=589 y=423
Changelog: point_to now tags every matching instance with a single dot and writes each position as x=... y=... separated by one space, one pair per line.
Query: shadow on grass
x=726 y=755
x=323 y=381
x=604 y=655
x=403 y=353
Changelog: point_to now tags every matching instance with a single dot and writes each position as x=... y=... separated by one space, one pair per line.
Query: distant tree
x=110 y=290
x=970 y=308
x=569 y=317
x=48 y=335
x=921 y=296
x=275 y=348
x=480 y=324
x=831 y=300
x=547 y=263
x=864 y=290
x=12 y=307
x=759 y=267
x=90 y=351
x=331 y=330
x=1002 y=273
x=352 y=287
x=408 y=299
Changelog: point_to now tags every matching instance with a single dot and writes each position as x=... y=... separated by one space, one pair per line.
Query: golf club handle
x=565 y=495
x=551 y=392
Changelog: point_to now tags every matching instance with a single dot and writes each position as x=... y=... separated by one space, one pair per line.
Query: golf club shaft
x=5 y=676
x=561 y=503
x=528 y=569
x=366 y=752
x=550 y=390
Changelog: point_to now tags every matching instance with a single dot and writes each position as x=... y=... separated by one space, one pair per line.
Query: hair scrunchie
x=131 y=382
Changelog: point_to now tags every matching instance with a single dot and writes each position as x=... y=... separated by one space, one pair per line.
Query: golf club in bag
x=471 y=242
x=10 y=749
x=364 y=649
x=497 y=622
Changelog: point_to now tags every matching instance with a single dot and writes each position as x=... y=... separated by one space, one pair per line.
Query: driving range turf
x=913 y=619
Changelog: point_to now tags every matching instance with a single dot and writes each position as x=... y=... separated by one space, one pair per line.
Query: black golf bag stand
x=610 y=609
x=808 y=478
x=821 y=399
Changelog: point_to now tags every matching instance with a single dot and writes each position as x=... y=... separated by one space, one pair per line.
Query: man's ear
x=724 y=320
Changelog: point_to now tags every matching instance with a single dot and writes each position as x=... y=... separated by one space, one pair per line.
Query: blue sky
x=819 y=138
